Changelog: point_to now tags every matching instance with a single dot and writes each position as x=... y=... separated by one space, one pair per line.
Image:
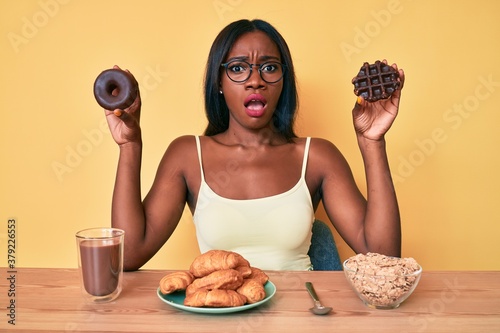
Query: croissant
x=175 y=281
x=253 y=290
x=241 y=261
x=259 y=275
x=214 y=260
x=223 y=279
x=216 y=298
x=245 y=271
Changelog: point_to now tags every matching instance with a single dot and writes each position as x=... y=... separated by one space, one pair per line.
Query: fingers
x=130 y=120
x=401 y=78
x=123 y=115
x=125 y=70
x=358 y=106
x=125 y=118
x=118 y=113
x=400 y=71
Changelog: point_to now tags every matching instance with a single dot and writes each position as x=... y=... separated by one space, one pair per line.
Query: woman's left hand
x=373 y=119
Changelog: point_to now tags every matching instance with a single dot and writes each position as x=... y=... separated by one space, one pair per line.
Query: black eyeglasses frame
x=226 y=64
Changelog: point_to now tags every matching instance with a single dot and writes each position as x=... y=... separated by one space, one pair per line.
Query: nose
x=255 y=80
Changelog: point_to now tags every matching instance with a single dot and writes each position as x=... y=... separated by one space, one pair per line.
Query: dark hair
x=215 y=106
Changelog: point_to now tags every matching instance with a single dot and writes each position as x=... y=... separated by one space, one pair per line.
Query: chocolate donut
x=122 y=83
x=376 y=81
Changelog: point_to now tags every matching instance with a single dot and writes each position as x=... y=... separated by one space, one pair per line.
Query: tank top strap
x=198 y=148
x=306 y=154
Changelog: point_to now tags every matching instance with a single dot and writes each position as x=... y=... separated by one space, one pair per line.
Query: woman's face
x=252 y=103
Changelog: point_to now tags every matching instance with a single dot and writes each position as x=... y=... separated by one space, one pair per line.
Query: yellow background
x=58 y=160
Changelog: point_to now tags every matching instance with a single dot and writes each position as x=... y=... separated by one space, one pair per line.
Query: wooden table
x=50 y=300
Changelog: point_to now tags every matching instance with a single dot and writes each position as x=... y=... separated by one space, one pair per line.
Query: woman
x=253 y=185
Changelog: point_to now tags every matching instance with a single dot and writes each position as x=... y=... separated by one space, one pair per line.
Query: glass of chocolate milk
x=100 y=262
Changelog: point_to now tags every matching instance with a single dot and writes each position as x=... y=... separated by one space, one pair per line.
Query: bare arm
x=147 y=224
x=382 y=229
x=371 y=225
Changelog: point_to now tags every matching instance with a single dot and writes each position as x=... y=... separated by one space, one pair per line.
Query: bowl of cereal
x=382 y=282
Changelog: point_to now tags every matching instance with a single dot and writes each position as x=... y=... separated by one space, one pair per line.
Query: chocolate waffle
x=376 y=81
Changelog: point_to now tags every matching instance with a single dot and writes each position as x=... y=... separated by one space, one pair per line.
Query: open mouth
x=255 y=105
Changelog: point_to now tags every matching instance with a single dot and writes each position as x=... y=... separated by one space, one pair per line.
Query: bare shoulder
x=180 y=152
x=182 y=146
x=323 y=149
x=325 y=157
x=183 y=142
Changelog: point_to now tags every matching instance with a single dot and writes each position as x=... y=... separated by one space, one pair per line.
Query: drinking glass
x=100 y=263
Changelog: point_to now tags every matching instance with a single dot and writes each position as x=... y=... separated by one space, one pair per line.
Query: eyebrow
x=261 y=58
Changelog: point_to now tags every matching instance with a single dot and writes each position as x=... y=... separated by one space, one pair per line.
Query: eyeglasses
x=239 y=71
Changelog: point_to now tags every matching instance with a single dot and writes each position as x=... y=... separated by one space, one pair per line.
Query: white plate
x=176 y=300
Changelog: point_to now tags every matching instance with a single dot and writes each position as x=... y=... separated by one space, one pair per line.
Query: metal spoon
x=318 y=308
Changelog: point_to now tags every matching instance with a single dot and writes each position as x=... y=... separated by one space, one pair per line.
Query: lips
x=255 y=105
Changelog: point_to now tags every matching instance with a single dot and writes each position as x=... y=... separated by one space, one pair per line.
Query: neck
x=252 y=138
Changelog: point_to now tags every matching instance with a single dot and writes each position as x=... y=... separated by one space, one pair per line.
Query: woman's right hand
x=124 y=125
